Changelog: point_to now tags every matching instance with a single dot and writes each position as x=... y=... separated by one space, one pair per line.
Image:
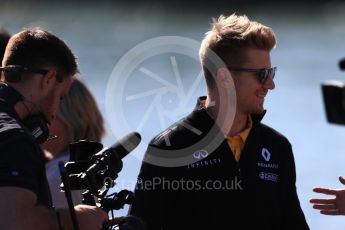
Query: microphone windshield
x=126 y=144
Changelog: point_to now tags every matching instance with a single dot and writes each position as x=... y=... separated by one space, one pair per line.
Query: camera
x=334 y=98
x=94 y=169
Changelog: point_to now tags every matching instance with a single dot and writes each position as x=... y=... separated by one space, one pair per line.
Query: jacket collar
x=255 y=117
x=9 y=95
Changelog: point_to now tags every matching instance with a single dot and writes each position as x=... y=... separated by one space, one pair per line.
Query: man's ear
x=224 y=78
x=49 y=79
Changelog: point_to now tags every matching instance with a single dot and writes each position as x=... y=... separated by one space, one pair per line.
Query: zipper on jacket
x=239 y=171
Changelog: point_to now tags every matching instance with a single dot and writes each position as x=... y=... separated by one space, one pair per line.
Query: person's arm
x=330 y=206
x=19 y=210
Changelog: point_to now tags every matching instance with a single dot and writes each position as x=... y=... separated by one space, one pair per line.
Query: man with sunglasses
x=37 y=71
x=220 y=167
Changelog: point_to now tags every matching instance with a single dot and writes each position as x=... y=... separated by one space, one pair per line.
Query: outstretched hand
x=330 y=206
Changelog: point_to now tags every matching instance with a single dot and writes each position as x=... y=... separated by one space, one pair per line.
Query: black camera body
x=91 y=170
x=334 y=98
x=94 y=170
x=334 y=101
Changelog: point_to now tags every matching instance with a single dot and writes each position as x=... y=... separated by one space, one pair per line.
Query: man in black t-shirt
x=37 y=70
x=18 y=169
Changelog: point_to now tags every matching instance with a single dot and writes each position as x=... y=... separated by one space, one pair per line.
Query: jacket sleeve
x=293 y=214
x=151 y=198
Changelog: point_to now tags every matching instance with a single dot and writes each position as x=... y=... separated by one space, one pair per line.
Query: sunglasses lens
x=273 y=72
x=263 y=75
x=266 y=73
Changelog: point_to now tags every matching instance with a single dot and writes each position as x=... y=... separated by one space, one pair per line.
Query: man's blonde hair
x=229 y=38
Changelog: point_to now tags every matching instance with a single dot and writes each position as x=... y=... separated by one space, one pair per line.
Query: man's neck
x=21 y=109
x=222 y=116
x=239 y=124
x=229 y=128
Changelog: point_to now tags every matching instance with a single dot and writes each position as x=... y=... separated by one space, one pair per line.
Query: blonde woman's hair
x=79 y=111
x=229 y=38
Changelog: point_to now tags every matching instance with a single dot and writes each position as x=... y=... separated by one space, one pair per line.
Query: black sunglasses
x=22 y=69
x=14 y=72
x=263 y=74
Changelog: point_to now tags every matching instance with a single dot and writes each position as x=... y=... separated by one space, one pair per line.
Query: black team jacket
x=211 y=190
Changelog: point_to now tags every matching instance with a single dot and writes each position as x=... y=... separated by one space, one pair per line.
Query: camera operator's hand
x=330 y=206
x=90 y=217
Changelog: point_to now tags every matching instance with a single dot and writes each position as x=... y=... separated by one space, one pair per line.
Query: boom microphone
x=124 y=146
x=113 y=155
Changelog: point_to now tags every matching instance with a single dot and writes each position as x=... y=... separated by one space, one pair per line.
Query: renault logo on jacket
x=266 y=154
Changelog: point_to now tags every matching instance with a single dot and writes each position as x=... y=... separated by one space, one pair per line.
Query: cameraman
x=38 y=69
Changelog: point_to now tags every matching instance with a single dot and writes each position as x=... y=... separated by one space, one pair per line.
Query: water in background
x=310 y=43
